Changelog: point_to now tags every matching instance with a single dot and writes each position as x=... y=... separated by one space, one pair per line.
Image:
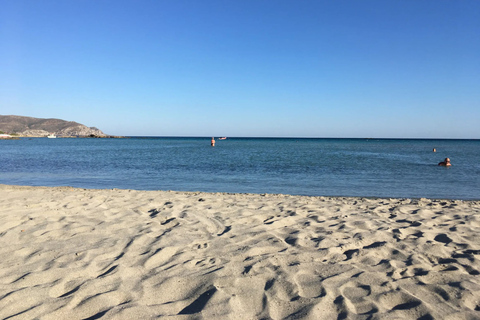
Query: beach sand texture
x=71 y=253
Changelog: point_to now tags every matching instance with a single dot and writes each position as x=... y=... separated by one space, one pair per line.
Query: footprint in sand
x=281 y=289
x=269 y=220
x=356 y=299
x=154 y=212
x=199 y=246
x=443 y=238
x=315 y=218
x=399 y=301
x=309 y=285
x=205 y=262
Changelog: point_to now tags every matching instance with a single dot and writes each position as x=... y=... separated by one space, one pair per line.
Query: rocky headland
x=36 y=127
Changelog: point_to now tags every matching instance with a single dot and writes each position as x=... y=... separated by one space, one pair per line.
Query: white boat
x=51 y=136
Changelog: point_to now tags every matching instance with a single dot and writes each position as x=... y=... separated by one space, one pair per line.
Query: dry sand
x=70 y=253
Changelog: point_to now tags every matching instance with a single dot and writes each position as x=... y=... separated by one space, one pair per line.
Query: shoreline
x=250 y=194
x=125 y=254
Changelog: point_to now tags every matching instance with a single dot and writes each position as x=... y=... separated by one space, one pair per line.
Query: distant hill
x=37 y=127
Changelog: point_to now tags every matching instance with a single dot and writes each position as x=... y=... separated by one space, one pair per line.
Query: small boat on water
x=222 y=138
x=51 y=136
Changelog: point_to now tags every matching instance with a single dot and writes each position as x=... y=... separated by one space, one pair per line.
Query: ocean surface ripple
x=397 y=168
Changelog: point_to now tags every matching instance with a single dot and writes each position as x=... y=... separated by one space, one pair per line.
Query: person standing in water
x=445 y=163
x=213 y=142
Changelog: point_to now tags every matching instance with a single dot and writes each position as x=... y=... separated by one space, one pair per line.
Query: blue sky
x=384 y=68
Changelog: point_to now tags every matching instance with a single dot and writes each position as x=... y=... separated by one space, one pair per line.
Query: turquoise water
x=318 y=167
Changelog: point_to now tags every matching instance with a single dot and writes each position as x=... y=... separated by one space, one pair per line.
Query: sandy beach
x=70 y=253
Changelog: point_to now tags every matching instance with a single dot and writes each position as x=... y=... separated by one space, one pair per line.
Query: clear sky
x=320 y=68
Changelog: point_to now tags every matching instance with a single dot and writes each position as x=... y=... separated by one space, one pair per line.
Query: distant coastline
x=12 y=126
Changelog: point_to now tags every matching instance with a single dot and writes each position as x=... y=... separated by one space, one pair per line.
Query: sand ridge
x=124 y=254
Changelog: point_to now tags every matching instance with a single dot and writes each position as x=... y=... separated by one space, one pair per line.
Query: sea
x=387 y=168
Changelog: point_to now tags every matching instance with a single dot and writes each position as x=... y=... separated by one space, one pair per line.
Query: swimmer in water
x=445 y=163
x=213 y=142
